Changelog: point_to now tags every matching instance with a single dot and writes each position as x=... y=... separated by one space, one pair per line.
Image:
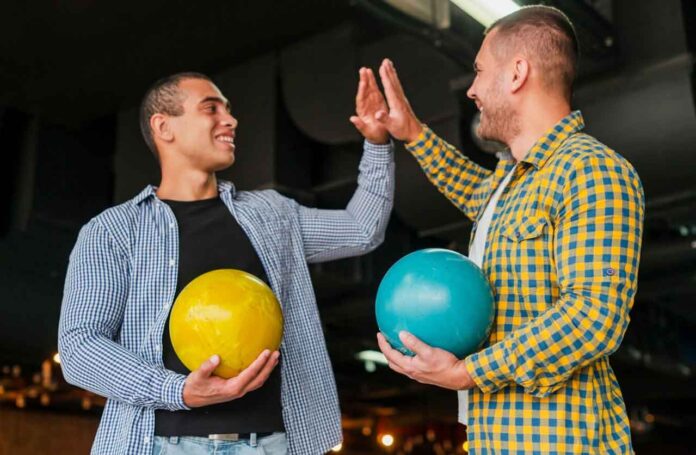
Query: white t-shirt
x=476 y=251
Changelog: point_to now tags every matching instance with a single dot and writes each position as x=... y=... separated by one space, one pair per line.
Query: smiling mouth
x=226 y=139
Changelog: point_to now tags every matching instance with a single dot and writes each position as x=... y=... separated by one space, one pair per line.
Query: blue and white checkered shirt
x=121 y=283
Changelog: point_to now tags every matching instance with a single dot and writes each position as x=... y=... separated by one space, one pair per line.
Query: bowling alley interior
x=73 y=75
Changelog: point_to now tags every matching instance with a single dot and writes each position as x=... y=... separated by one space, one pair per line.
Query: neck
x=535 y=122
x=187 y=185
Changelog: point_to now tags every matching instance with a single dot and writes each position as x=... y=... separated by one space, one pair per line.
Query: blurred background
x=72 y=73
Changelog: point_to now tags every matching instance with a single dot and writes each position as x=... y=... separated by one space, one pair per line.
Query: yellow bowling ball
x=226 y=312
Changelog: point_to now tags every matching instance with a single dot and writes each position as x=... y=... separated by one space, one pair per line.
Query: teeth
x=228 y=139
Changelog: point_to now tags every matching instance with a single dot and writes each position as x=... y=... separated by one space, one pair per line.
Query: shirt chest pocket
x=526 y=251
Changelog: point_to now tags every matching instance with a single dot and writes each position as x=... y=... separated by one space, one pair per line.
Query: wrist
x=378 y=140
x=464 y=379
x=414 y=131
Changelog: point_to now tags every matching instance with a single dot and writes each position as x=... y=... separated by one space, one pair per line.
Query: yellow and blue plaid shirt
x=562 y=256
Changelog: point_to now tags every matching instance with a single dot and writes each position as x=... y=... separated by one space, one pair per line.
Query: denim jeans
x=275 y=444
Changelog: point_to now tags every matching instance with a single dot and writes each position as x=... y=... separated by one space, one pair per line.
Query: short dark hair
x=163 y=97
x=546 y=33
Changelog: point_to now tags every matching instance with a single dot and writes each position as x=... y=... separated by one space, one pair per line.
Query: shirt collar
x=549 y=142
x=150 y=191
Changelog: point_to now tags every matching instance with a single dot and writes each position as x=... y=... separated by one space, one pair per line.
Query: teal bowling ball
x=438 y=295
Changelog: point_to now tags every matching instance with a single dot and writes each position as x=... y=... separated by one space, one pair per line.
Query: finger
x=389 y=91
x=394 y=78
x=249 y=373
x=358 y=123
x=384 y=119
x=414 y=344
x=206 y=369
x=396 y=368
x=259 y=380
x=392 y=355
x=371 y=81
x=362 y=83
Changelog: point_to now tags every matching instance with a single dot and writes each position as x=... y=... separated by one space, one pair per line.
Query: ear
x=161 y=128
x=520 y=73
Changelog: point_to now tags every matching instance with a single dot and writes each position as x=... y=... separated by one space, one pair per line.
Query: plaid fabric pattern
x=562 y=257
x=121 y=282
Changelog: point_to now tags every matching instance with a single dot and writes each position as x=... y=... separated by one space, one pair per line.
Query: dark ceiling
x=56 y=56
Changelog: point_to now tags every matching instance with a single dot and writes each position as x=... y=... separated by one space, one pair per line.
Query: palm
x=367 y=107
x=368 y=102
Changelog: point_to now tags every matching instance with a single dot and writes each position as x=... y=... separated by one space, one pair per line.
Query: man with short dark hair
x=131 y=261
x=557 y=230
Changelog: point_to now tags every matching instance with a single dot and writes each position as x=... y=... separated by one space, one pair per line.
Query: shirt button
x=610 y=272
x=146 y=439
x=165 y=305
x=171 y=225
x=171 y=262
x=517 y=234
x=158 y=347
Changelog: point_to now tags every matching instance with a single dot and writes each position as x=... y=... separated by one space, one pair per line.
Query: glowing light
x=56 y=358
x=337 y=448
x=465 y=446
x=386 y=440
x=487 y=11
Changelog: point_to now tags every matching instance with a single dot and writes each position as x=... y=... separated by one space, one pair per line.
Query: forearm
x=92 y=361
x=543 y=354
x=454 y=175
x=358 y=229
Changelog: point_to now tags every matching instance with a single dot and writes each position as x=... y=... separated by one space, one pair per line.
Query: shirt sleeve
x=360 y=227
x=94 y=302
x=456 y=176
x=597 y=243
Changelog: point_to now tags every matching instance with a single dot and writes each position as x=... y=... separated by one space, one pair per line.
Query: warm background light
x=386 y=440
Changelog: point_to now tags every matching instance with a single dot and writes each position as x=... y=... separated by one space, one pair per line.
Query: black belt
x=237 y=436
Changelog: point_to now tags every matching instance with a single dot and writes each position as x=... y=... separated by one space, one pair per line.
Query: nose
x=229 y=120
x=471 y=93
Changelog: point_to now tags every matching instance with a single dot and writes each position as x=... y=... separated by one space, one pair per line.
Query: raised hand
x=399 y=118
x=368 y=102
x=202 y=388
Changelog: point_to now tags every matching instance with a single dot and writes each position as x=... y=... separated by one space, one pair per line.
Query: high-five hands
x=376 y=118
x=368 y=102
x=202 y=388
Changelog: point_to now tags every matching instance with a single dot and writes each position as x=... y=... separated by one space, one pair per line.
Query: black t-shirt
x=209 y=239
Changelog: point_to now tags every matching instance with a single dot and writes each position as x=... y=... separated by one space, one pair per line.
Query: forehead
x=485 y=51
x=197 y=90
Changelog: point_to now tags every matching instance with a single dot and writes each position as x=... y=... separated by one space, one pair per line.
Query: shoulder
x=112 y=226
x=586 y=156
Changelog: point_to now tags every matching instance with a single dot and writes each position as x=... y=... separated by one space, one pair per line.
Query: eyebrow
x=216 y=99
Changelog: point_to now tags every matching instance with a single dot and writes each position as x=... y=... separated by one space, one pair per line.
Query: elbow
x=374 y=236
x=69 y=352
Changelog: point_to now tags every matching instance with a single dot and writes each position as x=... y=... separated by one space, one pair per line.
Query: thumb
x=207 y=367
x=418 y=347
x=385 y=120
x=357 y=122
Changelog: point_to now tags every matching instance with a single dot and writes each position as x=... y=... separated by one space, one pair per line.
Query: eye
x=211 y=108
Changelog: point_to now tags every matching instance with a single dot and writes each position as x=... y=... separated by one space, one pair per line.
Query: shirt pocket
x=528 y=228
x=529 y=255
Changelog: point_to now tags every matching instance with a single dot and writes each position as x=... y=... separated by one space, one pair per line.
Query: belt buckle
x=224 y=437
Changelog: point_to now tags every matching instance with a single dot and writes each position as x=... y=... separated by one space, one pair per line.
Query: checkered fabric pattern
x=121 y=282
x=562 y=257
